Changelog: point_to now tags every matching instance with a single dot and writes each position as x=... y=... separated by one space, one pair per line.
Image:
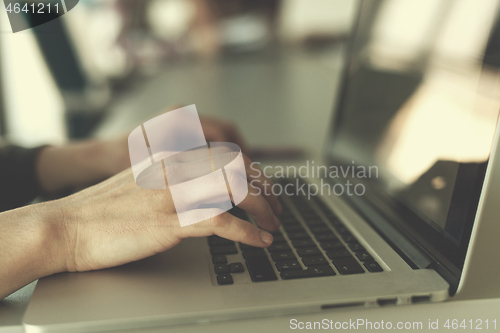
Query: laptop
x=383 y=218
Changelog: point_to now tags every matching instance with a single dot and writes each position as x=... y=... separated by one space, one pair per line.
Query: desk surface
x=284 y=99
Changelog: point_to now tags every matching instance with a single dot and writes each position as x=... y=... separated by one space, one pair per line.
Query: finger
x=227 y=226
x=209 y=189
x=219 y=131
x=255 y=204
x=215 y=135
x=234 y=136
x=199 y=162
x=236 y=166
x=256 y=177
x=212 y=189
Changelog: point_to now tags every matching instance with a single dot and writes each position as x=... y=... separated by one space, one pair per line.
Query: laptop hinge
x=399 y=242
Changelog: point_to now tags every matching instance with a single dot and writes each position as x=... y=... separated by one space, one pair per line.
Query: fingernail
x=266 y=237
x=276 y=222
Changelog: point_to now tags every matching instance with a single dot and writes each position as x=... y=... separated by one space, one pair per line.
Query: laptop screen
x=420 y=103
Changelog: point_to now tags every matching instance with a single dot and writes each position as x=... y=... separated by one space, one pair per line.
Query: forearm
x=31 y=246
x=79 y=164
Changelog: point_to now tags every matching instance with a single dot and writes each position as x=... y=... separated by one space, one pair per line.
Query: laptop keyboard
x=311 y=242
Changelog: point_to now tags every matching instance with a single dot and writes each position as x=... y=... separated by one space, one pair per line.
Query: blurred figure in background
x=235 y=25
x=210 y=27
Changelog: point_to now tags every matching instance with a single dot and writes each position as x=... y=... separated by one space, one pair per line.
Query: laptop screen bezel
x=444 y=253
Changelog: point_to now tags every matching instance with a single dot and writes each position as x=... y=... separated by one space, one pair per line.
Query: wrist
x=54 y=237
x=31 y=246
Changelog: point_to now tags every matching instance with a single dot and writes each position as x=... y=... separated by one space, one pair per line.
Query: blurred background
x=271 y=66
x=109 y=64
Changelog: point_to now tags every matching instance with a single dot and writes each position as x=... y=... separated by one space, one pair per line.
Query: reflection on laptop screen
x=421 y=102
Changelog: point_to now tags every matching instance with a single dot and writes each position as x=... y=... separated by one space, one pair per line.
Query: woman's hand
x=80 y=164
x=113 y=223
x=117 y=221
x=217 y=130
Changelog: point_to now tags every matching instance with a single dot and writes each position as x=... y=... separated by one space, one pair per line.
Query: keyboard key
x=308 y=251
x=283 y=247
x=278 y=239
x=325 y=209
x=288 y=265
x=303 y=243
x=224 y=279
x=321 y=238
x=220 y=259
x=332 y=218
x=260 y=269
x=216 y=241
x=314 y=222
x=310 y=215
x=336 y=223
x=286 y=209
x=236 y=267
x=288 y=218
x=293 y=227
x=276 y=233
x=227 y=249
x=356 y=247
x=280 y=256
x=314 y=261
x=244 y=247
x=304 y=206
x=348 y=238
x=347 y=266
x=321 y=204
x=373 y=267
x=342 y=230
x=247 y=254
x=321 y=230
x=331 y=245
x=315 y=271
x=331 y=215
x=222 y=268
x=339 y=253
x=298 y=235
x=300 y=202
x=364 y=256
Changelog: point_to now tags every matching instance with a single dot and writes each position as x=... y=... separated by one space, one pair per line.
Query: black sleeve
x=18 y=181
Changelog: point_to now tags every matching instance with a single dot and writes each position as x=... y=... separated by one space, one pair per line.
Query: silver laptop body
x=403 y=220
